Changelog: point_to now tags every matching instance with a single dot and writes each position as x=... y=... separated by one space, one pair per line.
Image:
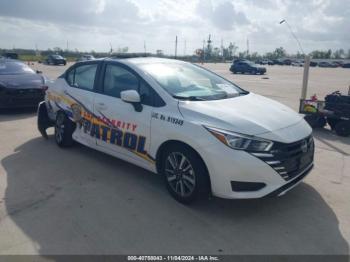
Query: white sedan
x=201 y=132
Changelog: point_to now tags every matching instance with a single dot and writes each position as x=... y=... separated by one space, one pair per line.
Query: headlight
x=241 y=142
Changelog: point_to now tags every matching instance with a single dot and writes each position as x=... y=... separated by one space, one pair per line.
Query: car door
x=241 y=67
x=79 y=93
x=124 y=131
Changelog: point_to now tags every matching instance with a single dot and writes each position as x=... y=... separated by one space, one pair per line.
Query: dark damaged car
x=20 y=86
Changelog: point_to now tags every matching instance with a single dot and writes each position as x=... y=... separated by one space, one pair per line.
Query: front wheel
x=342 y=128
x=185 y=174
x=64 y=129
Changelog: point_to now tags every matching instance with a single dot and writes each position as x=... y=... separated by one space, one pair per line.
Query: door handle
x=101 y=106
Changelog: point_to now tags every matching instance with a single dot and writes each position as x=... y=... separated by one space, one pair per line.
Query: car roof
x=145 y=60
x=134 y=61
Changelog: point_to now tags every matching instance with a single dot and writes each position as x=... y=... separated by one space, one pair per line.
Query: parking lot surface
x=80 y=201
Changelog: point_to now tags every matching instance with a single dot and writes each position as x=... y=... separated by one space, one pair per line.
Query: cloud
x=93 y=24
x=223 y=16
x=106 y=13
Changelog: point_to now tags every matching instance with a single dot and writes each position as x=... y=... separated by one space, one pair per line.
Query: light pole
x=284 y=21
x=307 y=60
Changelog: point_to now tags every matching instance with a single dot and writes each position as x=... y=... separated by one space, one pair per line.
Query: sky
x=153 y=24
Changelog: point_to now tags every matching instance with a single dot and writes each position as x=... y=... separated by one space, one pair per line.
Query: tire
x=315 y=121
x=64 y=129
x=185 y=174
x=332 y=122
x=342 y=128
x=43 y=120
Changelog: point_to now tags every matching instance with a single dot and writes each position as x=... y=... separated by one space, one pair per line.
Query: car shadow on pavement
x=14 y=114
x=80 y=201
x=330 y=139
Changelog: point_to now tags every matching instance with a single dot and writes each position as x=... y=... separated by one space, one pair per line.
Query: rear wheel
x=185 y=174
x=332 y=122
x=64 y=129
x=342 y=128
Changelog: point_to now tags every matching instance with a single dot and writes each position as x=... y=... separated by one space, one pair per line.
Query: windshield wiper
x=190 y=98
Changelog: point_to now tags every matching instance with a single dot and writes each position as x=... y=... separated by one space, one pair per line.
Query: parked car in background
x=56 y=60
x=327 y=64
x=277 y=62
x=346 y=65
x=298 y=63
x=287 y=61
x=246 y=67
x=313 y=63
x=85 y=58
x=264 y=62
x=338 y=63
x=10 y=55
x=20 y=86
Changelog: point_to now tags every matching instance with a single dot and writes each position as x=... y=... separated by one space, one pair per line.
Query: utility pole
x=176 y=47
x=222 y=49
x=209 y=44
x=247 y=46
x=203 y=51
x=185 y=48
x=36 y=49
x=111 y=51
x=67 y=45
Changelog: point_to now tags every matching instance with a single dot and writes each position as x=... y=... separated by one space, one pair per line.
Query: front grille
x=27 y=91
x=289 y=160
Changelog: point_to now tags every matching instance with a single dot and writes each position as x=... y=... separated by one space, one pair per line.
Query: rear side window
x=82 y=77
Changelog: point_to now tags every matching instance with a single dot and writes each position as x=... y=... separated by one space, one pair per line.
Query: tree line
x=209 y=53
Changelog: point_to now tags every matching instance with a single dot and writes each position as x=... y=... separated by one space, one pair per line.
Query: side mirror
x=132 y=97
x=39 y=72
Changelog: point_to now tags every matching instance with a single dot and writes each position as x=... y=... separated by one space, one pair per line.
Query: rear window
x=14 y=68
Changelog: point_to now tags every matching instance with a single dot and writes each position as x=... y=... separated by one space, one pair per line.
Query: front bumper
x=226 y=165
x=25 y=100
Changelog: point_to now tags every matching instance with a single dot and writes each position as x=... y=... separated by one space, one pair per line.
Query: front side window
x=187 y=81
x=82 y=77
x=118 y=79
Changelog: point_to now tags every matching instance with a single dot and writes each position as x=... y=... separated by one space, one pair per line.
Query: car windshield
x=190 y=82
x=57 y=57
x=14 y=68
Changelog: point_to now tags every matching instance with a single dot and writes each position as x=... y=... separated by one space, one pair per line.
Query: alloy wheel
x=59 y=128
x=180 y=174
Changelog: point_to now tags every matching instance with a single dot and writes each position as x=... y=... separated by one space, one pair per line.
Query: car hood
x=22 y=81
x=249 y=114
